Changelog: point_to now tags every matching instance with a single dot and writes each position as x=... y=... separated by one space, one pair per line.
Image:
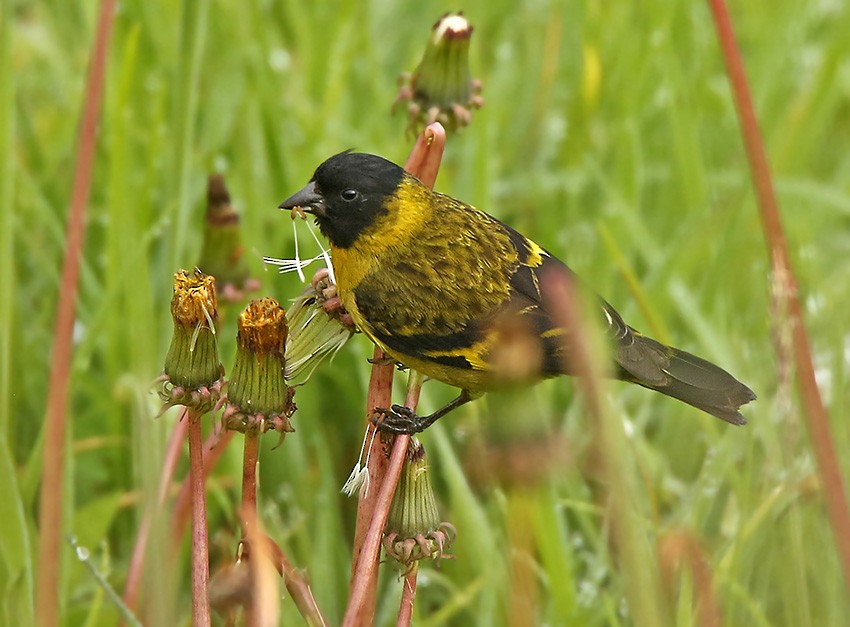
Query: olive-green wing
x=438 y=298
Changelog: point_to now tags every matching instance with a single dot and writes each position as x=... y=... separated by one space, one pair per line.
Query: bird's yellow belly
x=474 y=381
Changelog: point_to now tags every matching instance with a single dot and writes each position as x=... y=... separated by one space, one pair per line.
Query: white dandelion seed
x=298 y=264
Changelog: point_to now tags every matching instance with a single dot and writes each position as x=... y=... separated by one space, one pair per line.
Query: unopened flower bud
x=442 y=88
x=222 y=251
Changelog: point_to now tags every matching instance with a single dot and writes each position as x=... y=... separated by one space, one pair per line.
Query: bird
x=452 y=292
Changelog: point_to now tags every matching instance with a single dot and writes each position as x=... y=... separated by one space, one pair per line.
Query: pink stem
x=214 y=448
x=380 y=395
x=367 y=566
x=50 y=503
x=249 y=480
x=408 y=594
x=815 y=412
x=200 y=545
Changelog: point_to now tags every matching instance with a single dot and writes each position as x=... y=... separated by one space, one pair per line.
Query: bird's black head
x=347 y=193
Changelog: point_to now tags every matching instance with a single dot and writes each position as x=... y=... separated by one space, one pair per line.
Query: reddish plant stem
x=214 y=448
x=380 y=395
x=815 y=411
x=50 y=503
x=408 y=594
x=296 y=584
x=366 y=573
x=248 y=512
x=200 y=544
x=427 y=154
x=169 y=464
x=249 y=480
x=680 y=549
x=424 y=163
x=302 y=595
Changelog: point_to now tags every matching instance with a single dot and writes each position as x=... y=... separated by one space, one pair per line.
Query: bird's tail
x=686 y=377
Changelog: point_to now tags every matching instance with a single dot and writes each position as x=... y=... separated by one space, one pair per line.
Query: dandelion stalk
x=361 y=602
x=640 y=568
x=50 y=503
x=250 y=459
x=816 y=415
x=200 y=543
x=408 y=595
x=259 y=400
x=214 y=447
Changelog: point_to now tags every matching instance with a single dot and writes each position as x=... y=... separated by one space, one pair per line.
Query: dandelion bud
x=413 y=530
x=442 y=88
x=222 y=251
x=258 y=398
x=193 y=374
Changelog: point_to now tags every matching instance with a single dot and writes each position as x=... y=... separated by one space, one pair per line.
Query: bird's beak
x=308 y=199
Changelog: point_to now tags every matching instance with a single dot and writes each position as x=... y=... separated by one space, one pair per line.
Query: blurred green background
x=608 y=136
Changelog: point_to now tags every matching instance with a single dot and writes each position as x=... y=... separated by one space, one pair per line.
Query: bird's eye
x=349 y=194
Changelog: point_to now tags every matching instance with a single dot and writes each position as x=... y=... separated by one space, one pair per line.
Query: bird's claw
x=398 y=420
x=381 y=361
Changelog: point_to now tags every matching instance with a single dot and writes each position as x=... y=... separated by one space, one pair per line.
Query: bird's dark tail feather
x=686 y=377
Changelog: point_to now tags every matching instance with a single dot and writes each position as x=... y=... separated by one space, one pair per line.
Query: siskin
x=452 y=292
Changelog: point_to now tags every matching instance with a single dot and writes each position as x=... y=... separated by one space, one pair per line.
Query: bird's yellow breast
x=407 y=213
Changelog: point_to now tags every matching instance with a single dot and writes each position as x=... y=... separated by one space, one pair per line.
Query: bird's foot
x=399 y=420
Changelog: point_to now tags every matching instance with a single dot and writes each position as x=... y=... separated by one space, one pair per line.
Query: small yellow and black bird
x=454 y=293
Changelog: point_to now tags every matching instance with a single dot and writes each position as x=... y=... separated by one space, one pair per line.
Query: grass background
x=608 y=136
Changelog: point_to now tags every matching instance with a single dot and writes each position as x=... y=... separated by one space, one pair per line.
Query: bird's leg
x=402 y=419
